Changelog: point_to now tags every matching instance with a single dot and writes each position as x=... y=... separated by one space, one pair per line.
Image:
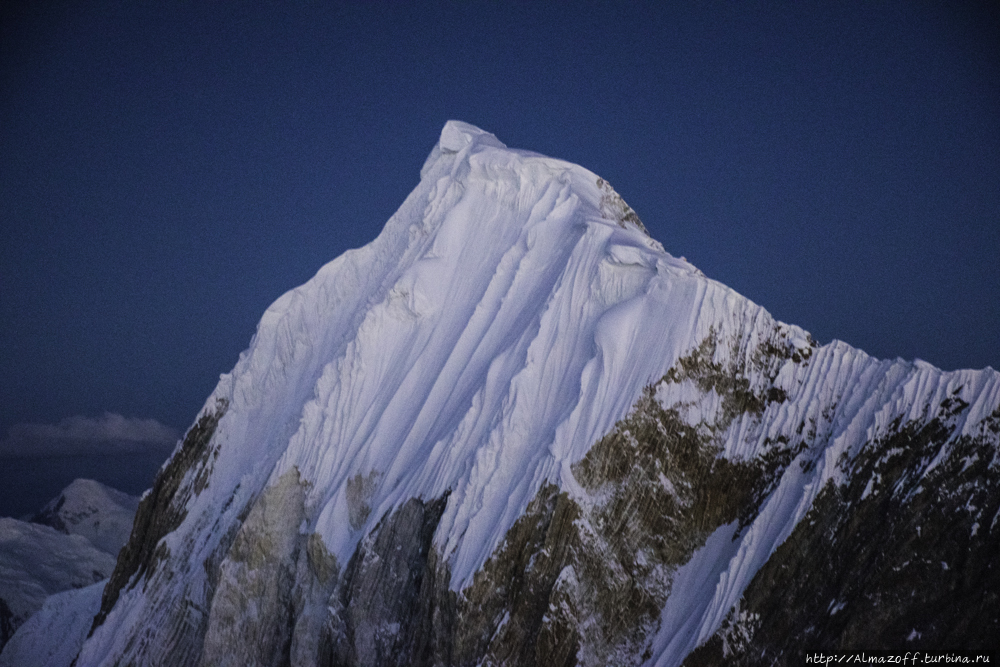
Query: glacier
x=512 y=388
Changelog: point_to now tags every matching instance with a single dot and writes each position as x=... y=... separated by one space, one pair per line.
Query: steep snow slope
x=54 y=634
x=510 y=429
x=37 y=561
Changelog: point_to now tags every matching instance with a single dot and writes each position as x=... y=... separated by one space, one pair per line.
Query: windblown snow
x=509 y=314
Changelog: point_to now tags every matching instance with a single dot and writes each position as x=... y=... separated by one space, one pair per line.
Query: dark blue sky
x=169 y=169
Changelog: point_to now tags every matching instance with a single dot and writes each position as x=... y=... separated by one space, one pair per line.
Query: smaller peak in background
x=95 y=511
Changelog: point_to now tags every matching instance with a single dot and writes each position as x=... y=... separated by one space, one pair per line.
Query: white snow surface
x=53 y=635
x=37 y=561
x=500 y=325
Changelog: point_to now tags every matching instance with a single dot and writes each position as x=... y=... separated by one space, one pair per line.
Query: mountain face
x=70 y=544
x=514 y=430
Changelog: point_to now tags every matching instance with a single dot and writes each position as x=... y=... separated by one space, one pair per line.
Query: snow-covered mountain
x=93 y=510
x=70 y=544
x=514 y=430
x=37 y=561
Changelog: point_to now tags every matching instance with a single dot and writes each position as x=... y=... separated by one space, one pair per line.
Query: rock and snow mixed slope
x=514 y=430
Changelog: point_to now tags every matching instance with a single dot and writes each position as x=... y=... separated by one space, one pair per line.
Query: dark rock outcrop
x=162 y=509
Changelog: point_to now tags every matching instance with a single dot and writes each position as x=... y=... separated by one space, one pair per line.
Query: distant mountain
x=97 y=512
x=71 y=544
x=514 y=430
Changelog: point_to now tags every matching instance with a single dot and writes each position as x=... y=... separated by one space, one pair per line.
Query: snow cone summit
x=513 y=429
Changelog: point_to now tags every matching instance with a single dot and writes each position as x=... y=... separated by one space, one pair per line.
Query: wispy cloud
x=108 y=434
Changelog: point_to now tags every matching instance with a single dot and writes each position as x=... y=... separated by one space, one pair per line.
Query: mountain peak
x=519 y=178
x=86 y=507
x=456 y=135
x=513 y=429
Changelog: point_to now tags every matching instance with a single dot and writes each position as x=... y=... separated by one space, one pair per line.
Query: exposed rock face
x=162 y=509
x=513 y=430
x=251 y=615
x=902 y=557
x=383 y=591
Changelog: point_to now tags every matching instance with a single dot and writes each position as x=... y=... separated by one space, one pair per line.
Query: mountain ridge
x=510 y=429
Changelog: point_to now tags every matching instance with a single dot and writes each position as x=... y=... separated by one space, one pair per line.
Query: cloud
x=109 y=434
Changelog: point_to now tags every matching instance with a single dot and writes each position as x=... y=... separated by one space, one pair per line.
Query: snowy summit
x=514 y=429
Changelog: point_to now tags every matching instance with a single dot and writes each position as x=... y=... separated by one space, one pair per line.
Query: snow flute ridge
x=514 y=430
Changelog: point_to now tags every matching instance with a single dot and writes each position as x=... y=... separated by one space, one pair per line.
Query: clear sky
x=169 y=169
